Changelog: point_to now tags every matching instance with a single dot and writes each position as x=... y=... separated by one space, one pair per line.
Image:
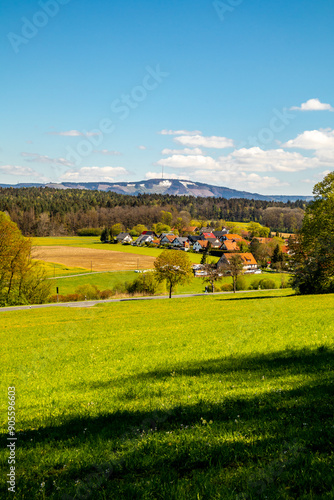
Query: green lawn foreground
x=214 y=397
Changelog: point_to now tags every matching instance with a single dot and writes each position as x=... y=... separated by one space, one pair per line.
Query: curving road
x=90 y=303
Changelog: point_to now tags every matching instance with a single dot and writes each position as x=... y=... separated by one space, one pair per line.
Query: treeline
x=42 y=211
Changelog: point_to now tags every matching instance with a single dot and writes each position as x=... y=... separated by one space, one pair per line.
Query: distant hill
x=165 y=186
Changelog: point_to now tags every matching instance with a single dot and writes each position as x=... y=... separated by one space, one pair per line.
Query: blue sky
x=237 y=93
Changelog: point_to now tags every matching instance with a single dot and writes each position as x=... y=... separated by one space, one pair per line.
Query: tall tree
x=233 y=267
x=21 y=281
x=313 y=252
x=174 y=267
x=213 y=274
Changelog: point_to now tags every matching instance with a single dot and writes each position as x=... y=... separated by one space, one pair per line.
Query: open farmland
x=98 y=260
x=130 y=253
x=215 y=397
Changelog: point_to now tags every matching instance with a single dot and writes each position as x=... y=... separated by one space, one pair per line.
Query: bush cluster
x=144 y=284
x=264 y=284
x=89 y=231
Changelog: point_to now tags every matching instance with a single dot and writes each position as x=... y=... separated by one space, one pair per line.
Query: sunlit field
x=212 y=397
x=94 y=242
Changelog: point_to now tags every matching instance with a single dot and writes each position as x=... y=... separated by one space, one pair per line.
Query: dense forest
x=40 y=211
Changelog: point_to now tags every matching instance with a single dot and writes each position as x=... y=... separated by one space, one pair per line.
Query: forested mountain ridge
x=41 y=211
x=166 y=186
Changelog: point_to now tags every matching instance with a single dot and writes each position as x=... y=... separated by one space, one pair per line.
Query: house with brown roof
x=230 y=246
x=167 y=239
x=200 y=245
x=231 y=237
x=263 y=240
x=250 y=264
x=190 y=229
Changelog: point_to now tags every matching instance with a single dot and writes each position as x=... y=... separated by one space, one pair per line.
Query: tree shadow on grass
x=275 y=364
x=271 y=445
x=262 y=297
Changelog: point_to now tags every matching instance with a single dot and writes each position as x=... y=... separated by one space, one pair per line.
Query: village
x=256 y=253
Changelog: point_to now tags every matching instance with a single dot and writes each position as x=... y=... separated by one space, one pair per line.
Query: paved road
x=90 y=303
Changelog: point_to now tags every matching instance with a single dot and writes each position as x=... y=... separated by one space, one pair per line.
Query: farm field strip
x=93 y=243
x=91 y=258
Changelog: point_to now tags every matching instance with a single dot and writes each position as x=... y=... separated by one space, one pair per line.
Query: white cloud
x=180 y=132
x=244 y=160
x=76 y=133
x=185 y=151
x=238 y=180
x=205 y=142
x=313 y=139
x=37 y=158
x=107 y=152
x=259 y=160
x=157 y=175
x=18 y=171
x=192 y=162
x=142 y=148
x=94 y=174
x=313 y=105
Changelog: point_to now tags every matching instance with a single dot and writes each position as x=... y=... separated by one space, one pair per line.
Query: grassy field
x=214 y=397
x=105 y=281
x=53 y=270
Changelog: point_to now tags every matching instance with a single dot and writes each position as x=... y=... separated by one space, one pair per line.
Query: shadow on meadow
x=262 y=297
x=273 y=365
x=276 y=444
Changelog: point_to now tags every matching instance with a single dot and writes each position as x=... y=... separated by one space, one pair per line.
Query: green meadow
x=108 y=280
x=211 y=397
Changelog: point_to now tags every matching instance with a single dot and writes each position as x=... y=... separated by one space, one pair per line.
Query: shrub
x=241 y=283
x=89 y=292
x=60 y=298
x=267 y=284
x=145 y=283
x=106 y=294
x=89 y=231
x=255 y=284
x=120 y=288
x=72 y=297
x=226 y=287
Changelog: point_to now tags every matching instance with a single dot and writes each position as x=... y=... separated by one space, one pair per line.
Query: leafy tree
x=161 y=228
x=203 y=258
x=179 y=225
x=242 y=246
x=313 y=251
x=256 y=230
x=21 y=280
x=277 y=255
x=166 y=218
x=115 y=230
x=89 y=231
x=138 y=229
x=213 y=274
x=174 y=267
x=234 y=268
x=206 y=253
x=105 y=235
